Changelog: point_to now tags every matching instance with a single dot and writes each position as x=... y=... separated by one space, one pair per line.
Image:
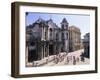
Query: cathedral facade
x=46 y=38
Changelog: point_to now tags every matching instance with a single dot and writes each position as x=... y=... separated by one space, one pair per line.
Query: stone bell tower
x=64 y=35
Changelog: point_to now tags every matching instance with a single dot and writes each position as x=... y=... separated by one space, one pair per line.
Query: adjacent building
x=86 y=43
x=82 y=46
x=74 y=38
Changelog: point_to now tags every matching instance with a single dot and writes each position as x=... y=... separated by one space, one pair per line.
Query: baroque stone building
x=45 y=38
x=74 y=38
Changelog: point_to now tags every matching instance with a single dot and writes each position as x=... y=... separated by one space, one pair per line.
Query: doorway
x=51 y=50
x=32 y=56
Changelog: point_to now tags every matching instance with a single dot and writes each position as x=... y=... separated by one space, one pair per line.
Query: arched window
x=50 y=29
x=50 y=33
x=63 y=36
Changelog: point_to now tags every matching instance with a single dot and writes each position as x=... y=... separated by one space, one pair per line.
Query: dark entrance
x=51 y=50
x=32 y=56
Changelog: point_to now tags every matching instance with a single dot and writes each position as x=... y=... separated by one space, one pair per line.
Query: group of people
x=72 y=59
x=59 y=58
x=68 y=59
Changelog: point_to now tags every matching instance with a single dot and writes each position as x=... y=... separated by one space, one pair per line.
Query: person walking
x=74 y=60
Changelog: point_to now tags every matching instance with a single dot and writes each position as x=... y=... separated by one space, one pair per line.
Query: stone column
x=42 y=52
x=42 y=33
x=48 y=50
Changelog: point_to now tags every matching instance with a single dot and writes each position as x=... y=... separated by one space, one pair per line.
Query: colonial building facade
x=45 y=38
x=74 y=38
x=86 y=43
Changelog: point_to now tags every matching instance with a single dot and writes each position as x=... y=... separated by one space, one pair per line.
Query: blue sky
x=80 y=21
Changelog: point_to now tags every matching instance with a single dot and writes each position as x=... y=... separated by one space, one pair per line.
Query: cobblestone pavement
x=72 y=58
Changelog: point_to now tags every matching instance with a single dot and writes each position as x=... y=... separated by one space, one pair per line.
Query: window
x=63 y=36
x=66 y=35
x=50 y=33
